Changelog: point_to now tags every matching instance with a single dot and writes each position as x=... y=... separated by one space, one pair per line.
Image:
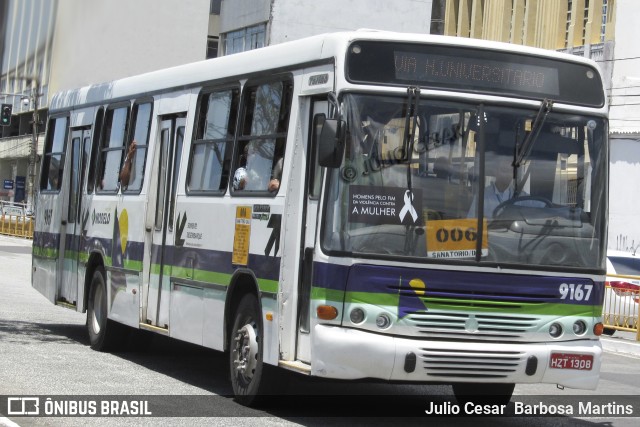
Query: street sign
x=8 y=184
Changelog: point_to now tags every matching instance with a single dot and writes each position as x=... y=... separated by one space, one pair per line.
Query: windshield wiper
x=413 y=99
x=525 y=148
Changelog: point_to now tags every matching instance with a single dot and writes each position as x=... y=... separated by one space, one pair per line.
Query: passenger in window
x=255 y=172
x=240 y=176
x=240 y=179
x=127 y=166
x=276 y=176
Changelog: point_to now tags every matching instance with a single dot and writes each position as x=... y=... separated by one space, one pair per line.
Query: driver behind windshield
x=500 y=190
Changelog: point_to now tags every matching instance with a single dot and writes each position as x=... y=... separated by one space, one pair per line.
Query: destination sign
x=476 y=73
x=490 y=71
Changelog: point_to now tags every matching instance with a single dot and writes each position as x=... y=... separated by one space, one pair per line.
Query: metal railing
x=15 y=220
x=620 y=309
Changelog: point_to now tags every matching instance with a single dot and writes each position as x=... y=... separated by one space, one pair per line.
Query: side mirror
x=331 y=142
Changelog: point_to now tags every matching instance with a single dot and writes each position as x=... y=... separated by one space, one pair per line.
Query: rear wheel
x=484 y=394
x=104 y=334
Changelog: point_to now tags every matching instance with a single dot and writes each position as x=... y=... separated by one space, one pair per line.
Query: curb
x=621 y=345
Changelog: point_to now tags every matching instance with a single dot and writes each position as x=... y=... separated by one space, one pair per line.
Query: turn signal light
x=598 y=328
x=327 y=312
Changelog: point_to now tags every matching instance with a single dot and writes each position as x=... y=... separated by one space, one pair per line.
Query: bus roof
x=311 y=50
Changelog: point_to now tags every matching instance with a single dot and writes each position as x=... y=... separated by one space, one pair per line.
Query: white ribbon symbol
x=408 y=207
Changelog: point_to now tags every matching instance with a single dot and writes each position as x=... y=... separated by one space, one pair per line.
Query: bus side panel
x=46 y=246
x=202 y=269
x=126 y=251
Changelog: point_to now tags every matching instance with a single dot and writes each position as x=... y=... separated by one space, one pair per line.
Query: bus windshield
x=456 y=182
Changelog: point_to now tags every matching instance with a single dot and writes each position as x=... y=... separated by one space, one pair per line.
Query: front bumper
x=354 y=354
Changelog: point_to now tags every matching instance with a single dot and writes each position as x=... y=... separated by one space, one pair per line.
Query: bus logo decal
x=103 y=218
x=180 y=223
x=409 y=298
x=275 y=222
x=48 y=213
x=319 y=79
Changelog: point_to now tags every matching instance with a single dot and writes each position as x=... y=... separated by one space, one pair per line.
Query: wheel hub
x=246 y=351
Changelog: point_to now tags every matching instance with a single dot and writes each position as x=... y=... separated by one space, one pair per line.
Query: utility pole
x=33 y=152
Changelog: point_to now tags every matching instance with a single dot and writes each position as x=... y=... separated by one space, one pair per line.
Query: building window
x=603 y=26
x=437 y=17
x=214 y=7
x=585 y=22
x=212 y=47
x=567 y=42
x=244 y=39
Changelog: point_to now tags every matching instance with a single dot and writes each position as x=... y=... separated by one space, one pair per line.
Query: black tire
x=483 y=394
x=246 y=341
x=104 y=334
x=608 y=331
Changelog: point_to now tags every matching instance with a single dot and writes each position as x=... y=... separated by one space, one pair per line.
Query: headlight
x=356 y=315
x=383 y=321
x=555 y=330
x=579 y=327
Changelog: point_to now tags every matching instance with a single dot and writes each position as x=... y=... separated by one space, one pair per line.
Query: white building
x=52 y=45
x=624 y=129
x=246 y=24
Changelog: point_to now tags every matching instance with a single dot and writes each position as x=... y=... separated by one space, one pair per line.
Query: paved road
x=44 y=351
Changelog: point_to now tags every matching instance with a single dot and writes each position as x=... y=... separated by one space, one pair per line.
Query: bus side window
x=260 y=157
x=97 y=131
x=112 y=148
x=141 y=117
x=53 y=160
x=212 y=144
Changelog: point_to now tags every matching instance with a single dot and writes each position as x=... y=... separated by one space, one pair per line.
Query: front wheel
x=246 y=349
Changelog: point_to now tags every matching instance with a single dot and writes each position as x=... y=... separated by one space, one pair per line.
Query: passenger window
x=142 y=122
x=112 y=148
x=212 y=145
x=53 y=159
x=260 y=155
x=97 y=131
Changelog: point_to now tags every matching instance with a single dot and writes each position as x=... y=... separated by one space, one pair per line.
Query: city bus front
x=463 y=237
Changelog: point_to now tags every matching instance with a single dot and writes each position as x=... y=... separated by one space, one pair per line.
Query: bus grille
x=468 y=364
x=474 y=327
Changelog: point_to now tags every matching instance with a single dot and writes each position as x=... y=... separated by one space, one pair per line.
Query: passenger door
x=167 y=162
x=78 y=155
x=311 y=199
x=50 y=228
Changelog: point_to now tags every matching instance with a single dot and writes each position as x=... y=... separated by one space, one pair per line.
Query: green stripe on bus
x=467 y=305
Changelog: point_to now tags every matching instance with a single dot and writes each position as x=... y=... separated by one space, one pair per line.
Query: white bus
x=355 y=205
